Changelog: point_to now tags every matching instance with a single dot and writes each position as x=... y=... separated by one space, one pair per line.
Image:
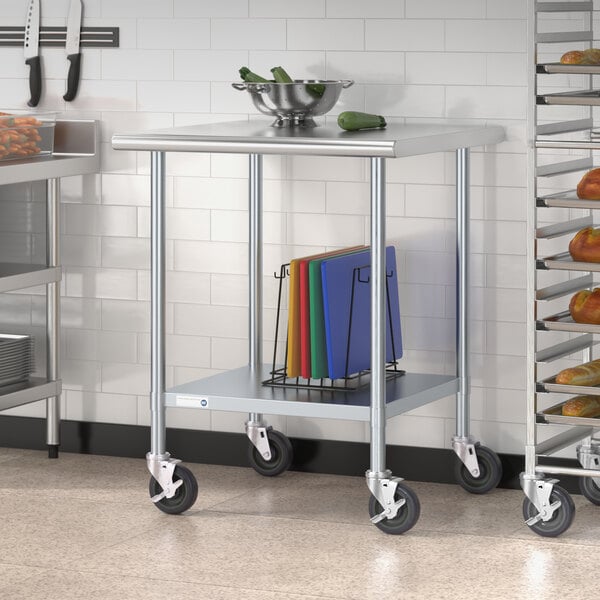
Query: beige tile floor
x=82 y=527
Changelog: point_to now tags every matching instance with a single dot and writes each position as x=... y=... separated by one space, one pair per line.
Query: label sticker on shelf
x=191 y=402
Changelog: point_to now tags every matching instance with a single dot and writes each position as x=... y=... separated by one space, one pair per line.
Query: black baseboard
x=221 y=448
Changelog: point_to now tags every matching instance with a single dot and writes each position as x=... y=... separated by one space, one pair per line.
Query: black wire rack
x=350 y=381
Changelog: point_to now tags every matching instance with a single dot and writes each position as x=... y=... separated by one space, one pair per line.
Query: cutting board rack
x=351 y=381
x=91 y=37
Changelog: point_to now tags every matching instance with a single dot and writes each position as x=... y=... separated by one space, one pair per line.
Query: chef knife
x=31 y=51
x=72 y=49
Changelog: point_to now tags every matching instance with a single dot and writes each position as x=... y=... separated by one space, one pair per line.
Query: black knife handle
x=35 y=80
x=73 y=77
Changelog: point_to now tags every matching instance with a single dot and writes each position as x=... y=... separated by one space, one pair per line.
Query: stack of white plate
x=16 y=358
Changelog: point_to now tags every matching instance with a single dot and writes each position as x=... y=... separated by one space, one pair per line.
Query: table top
x=258 y=137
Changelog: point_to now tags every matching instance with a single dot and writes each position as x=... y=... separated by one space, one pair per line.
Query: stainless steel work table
x=393 y=506
x=76 y=152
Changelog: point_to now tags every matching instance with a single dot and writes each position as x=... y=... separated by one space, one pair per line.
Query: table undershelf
x=241 y=390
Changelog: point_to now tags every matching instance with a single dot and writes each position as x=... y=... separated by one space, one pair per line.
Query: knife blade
x=31 y=51
x=72 y=49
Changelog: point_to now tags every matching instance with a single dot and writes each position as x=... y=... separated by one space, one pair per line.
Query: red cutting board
x=304 y=305
x=293 y=341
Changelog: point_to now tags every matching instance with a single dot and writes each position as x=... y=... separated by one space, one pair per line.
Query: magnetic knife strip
x=91 y=37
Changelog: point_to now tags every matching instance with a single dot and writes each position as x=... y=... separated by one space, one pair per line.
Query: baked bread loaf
x=591 y=56
x=573 y=57
x=582 y=406
x=585 y=246
x=585 y=306
x=588 y=187
x=587 y=374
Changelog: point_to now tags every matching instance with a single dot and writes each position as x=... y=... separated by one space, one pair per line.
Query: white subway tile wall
x=412 y=60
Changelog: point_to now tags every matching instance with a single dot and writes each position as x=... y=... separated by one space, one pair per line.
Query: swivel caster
x=561 y=518
x=589 y=488
x=490 y=472
x=281 y=455
x=184 y=497
x=407 y=515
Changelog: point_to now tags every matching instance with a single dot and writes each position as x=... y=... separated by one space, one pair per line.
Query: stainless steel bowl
x=295 y=104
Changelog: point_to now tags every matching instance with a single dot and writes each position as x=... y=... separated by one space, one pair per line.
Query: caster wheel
x=590 y=489
x=184 y=497
x=407 y=516
x=490 y=472
x=560 y=521
x=281 y=455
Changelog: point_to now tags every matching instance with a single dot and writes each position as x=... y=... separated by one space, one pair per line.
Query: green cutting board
x=318 y=340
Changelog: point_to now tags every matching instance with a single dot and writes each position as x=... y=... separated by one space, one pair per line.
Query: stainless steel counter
x=249 y=137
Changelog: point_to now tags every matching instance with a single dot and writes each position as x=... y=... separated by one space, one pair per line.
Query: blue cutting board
x=338 y=274
x=318 y=341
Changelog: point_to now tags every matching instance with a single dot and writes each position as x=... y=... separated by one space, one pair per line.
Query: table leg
x=256 y=429
x=462 y=292
x=173 y=488
x=462 y=443
x=53 y=315
x=157 y=325
x=255 y=268
x=378 y=312
x=480 y=469
x=393 y=506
